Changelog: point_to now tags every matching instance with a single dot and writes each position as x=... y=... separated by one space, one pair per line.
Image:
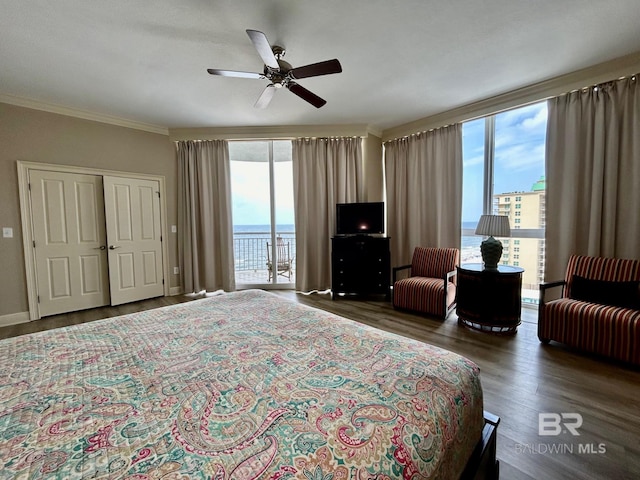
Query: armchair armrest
x=397 y=269
x=447 y=279
x=544 y=286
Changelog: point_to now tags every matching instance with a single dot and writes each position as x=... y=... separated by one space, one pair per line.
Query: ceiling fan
x=280 y=73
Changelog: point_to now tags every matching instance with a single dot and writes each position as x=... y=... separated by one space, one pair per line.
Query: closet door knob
x=111 y=247
x=101 y=247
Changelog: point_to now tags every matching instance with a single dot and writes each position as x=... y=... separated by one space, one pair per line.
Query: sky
x=250 y=182
x=519 y=163
x=519 y=155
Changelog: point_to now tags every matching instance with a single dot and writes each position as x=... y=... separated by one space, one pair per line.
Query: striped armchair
x=431 y=286
x=599 y=309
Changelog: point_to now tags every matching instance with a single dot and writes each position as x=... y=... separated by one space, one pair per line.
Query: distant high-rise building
x=526 y=210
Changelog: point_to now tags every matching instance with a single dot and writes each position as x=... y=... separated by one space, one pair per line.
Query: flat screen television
x=360 y=218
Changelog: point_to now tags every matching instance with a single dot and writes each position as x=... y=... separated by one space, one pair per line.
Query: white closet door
x=69 y=232
x=132 y=209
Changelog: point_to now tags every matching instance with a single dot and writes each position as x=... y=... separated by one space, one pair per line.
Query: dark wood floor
x=521 y=378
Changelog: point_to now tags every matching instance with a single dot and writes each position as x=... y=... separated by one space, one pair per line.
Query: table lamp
x=491 y=249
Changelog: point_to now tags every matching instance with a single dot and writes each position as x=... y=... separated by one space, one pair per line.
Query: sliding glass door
x=263 y=215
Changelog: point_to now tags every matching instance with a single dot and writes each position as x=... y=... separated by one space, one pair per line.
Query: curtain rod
x=605 y=84
x=419 y=133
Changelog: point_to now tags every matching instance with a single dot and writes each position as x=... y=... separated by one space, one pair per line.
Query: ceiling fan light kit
x=280 y=73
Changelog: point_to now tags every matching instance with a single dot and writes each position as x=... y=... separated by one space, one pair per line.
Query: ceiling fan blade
x=306 y=95
x=266 y=96
x=316 y=69
x=233 y=73
x=261 y=44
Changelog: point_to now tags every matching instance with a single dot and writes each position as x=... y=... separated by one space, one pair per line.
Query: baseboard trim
x=173 y=291
x=14 y=319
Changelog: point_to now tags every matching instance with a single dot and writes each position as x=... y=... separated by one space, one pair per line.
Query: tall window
x=503 y=157
x=263 y=215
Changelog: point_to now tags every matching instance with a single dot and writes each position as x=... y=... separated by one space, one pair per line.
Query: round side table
x=489 y=301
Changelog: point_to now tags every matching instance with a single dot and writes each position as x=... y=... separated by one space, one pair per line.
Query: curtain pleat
x=325 y=172
x=593 y=175
x=205 y=225
x=423 y=178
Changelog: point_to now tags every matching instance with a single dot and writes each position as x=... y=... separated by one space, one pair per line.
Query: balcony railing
x=250 y=256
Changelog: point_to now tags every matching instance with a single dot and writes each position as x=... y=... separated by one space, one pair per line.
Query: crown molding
x=204 y=133
x=85 y=115
x=271 y=132
x=603 y=72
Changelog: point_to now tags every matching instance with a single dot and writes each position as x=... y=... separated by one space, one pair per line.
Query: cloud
x=473 y=161
x=519 y=157
x=250 y=190
x=473 y=143
x=526 y=126
x=529 y=116
x=519 y=151
x=539 y=120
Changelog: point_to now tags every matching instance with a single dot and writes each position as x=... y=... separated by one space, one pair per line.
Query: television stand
x=360 y=265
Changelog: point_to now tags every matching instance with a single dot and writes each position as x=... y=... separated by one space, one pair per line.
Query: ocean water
x=471 y=241
x=264 y=229
x=250 y=244
x=470 y=245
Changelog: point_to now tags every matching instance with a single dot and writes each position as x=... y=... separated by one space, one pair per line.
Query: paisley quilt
x=245 y=385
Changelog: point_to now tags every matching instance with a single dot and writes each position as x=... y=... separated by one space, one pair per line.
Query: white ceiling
x=402 y=60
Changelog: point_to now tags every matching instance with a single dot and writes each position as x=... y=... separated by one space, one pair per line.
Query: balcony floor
x=261 y=277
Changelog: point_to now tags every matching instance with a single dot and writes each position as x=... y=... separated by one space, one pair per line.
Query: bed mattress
x=244 y=385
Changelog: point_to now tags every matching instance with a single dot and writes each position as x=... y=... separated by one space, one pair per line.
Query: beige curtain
x=423 y=175
x=205 y=226
x=593 y=174
x=325 y=172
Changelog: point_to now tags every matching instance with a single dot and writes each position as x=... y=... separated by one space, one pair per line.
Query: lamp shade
x=494 y=226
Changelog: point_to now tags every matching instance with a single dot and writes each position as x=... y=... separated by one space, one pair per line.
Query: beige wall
x=36 y=136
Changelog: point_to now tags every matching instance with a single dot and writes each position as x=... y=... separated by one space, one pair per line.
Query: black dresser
x=360 y=265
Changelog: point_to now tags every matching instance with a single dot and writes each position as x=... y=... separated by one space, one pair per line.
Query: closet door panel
x=132 y=208
x=69 y=234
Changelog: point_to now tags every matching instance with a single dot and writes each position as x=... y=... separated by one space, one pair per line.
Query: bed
x=244 y=385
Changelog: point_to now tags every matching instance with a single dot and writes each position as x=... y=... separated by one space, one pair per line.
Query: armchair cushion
x=596 y=312
x=617 y=294
x=434 y=262
x=605 y=330
x=423 y=294
x=431 y=288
